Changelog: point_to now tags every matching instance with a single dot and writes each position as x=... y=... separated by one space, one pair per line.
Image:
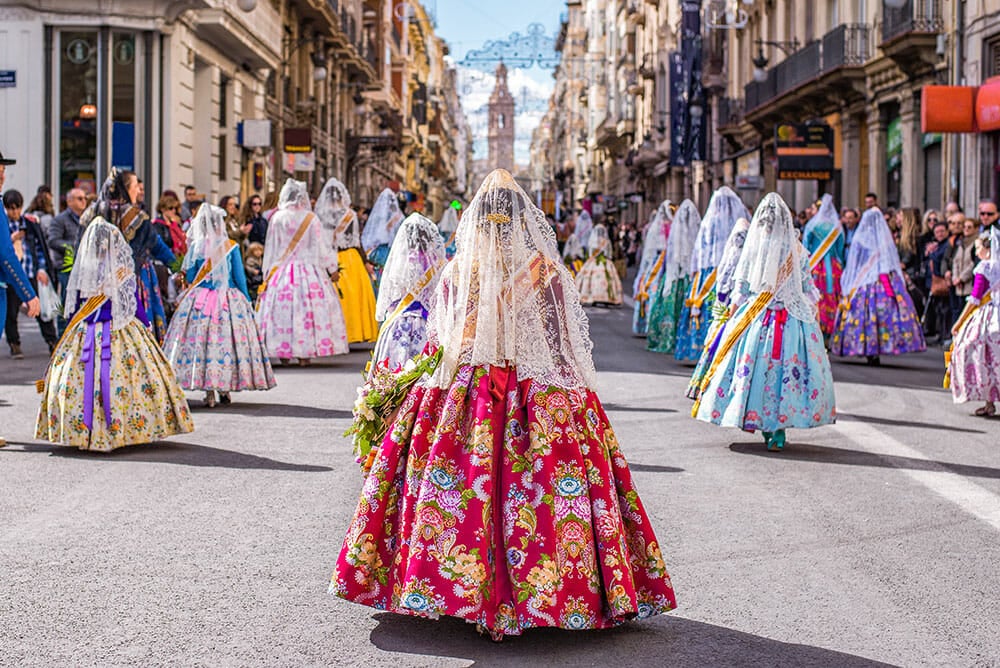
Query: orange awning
x=951 y=108
x=988 y=105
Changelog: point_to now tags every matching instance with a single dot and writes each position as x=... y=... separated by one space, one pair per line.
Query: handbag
x=940 y=286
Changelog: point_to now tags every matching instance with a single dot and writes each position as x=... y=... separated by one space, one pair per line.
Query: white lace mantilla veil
x=418 y=247
x=654 y=239
x=872 y=237
x=680 y=245
x=599 y=241
x=731 y=256
x=720 y=216
x=449 y=221
x=771 y=239
x=383 y=221
x=103 y=266
x=333 y=203
x=584 y=226
x=990 y=269
x=207 y=237
x=825 y=218
x=506 y=297
x=313 y=248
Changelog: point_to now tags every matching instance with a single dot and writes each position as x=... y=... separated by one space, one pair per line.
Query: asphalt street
x=874 y=541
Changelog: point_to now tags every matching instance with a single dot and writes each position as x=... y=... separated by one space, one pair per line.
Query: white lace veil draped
x=654 y=239
x=332 y=205
x=313 y=247
x=584 y=226
x=449 y=221
x=207 y=238
x=384 y=219
x=417 y=249
x=990 y=268
x=872 y=252
x=680 y=244
x=599 y=241
x=103 y=266
x=720 y=216
x=731 y=256
x=506 y=298
x=772 y=238
x=824 y=220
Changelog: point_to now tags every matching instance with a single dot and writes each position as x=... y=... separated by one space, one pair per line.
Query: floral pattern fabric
x=665 y=313
x=777 y=376
x=505 y=503
x=598 y=282
x=826 y=278
x=975 y=358
x=377 y=257
x=692 y=328
x=880 y=320
x=152 y=299
x=300 y=315
x=403 y=338
x=146 y=402
x=213 y=343
x=643 y=292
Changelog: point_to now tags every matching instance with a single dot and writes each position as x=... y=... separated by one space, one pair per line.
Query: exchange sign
x=804 y=151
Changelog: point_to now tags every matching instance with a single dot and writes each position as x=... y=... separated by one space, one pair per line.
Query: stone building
x=501 y=123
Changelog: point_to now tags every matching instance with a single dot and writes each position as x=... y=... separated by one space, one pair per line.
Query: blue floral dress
x=402 y=338
x=693 y=328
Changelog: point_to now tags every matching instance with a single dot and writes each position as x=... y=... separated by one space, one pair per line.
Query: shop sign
x=254 y=133
x=8 y=78
x=749 y=182
x=78 y=51
x=298 y=140
x=804 y=151
x=300 y=162
x=894 y=144
x=748 y=172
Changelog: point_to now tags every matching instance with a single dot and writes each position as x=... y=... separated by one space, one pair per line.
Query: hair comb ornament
x=498 y=218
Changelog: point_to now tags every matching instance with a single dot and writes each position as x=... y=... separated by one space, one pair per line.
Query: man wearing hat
x=11 y=272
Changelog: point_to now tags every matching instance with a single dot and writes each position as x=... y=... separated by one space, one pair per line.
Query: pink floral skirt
x=505 y=503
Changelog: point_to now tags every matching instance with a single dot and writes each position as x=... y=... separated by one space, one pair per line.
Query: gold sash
x=824 y=247
x=299 y=233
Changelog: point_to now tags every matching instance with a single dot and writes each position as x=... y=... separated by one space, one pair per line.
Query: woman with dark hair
x=252 y=214
x=41 y=207
x=236 y=227
x=117 y=205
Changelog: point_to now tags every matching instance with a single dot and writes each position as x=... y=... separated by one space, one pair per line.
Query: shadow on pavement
x=870 y=419
x=636 y=409
x=914 y=370
x=270 y=410
x=821 y=454
x=653 y=468
x=173 y=452
x=665 y=640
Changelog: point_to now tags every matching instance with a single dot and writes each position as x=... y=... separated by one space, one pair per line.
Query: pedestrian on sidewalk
x=41 y=208
x=32 y=251
x=502 y=462
x=252 y=214
x=64 y=237
x=406 y=295
x=109 y=384
x=911 y=256
x=213 y=342
x=974 y=363
x=876 y=315
x=937 y=259
x=771 y=371
x=668 y=294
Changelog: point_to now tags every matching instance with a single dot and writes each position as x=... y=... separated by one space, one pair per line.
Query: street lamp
x=247 y=5
x=760 y=60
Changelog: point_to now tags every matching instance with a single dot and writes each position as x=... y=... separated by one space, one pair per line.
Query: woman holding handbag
x=937 y=257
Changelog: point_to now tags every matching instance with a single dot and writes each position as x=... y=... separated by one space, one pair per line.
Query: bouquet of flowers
x=379 y=399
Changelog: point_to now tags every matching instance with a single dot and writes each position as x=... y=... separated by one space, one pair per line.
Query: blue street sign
x=8 y=78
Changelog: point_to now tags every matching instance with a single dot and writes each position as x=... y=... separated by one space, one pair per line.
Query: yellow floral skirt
x=357 y=298
x=145 y=402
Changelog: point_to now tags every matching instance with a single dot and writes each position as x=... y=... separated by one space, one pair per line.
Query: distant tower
x=501 y=135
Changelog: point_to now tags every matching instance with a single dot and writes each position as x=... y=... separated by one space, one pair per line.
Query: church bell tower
x=501 y=129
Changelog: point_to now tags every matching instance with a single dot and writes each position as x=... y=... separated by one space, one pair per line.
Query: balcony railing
x=913 y=16
x=846 y=45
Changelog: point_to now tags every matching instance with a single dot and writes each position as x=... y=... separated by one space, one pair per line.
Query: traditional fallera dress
x=448 y=225
x=299 y=310
x=720 y=311
x=598 y=281
x=654 y=246
x=974 y=367
x=213 y=342
x=411 y=275
x=723 y=210
x=380 y=230
x=575 y=250
x=108 y=384
x=342 y=227
x=500 y=494
x=672 y=289
x=876 y=315
x=771 y=370
x=823 y=237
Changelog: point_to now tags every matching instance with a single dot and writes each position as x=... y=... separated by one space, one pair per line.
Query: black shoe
x=873 y=360
x=224 y=398
x=15 y=351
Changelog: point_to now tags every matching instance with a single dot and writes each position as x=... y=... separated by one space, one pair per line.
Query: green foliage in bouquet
x=378 y=401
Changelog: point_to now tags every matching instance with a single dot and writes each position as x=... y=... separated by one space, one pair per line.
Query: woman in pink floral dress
x=500 y=494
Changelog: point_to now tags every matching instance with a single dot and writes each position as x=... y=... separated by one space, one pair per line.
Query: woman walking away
x=670 y=291
x=109 y=384
x=499 y=494
x=448 y=225
x=380 y=230
x=771 y=371
x=654 y=246
x=720 y=311
x=876 y=315
x=823 y=237
x=343 y=230
x=974 y=365
x=720 y=217
x=408 y=282
x=298 y=307
x=213 y=342
x=598 y=281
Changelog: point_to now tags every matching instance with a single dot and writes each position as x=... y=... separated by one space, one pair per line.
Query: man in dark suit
x=64 y=238
x=11 y=273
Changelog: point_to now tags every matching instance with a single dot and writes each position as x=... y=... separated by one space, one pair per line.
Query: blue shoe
x=768 y=435
x=777 y=442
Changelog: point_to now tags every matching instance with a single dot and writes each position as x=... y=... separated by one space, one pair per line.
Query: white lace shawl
x=418 y=248
x=720 y=216
x=680 y=245
x=384 y=219
x=872 y=252
x=103 y=266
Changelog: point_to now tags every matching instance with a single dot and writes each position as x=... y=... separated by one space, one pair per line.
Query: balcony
x=909 y=35
x=816 y=79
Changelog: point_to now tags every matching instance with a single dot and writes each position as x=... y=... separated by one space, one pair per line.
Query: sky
x=466 y=25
